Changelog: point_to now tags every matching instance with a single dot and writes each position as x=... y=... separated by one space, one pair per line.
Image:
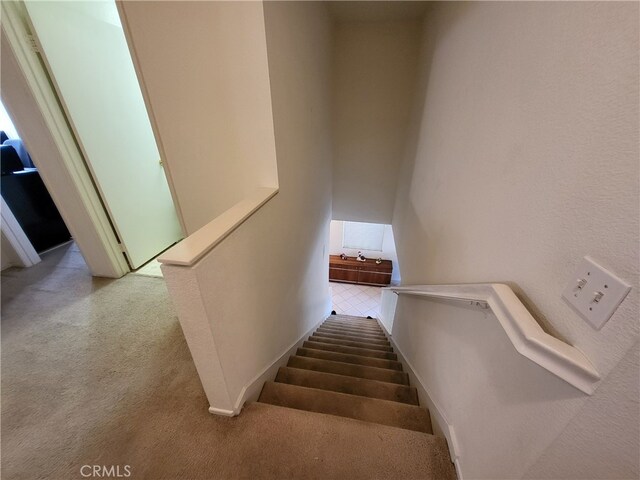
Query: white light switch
x=595 y=293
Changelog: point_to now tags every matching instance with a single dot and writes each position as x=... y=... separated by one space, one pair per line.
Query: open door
x=84 y=48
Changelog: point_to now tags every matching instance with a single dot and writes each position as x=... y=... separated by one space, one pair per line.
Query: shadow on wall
x=536 y=312
x=429 y=41
x=481 y=384
x=556 y=462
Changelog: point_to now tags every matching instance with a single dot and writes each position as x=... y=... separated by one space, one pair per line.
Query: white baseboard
x=441 y=425
x=16 y=238
x=222 y=411
x=251 y=391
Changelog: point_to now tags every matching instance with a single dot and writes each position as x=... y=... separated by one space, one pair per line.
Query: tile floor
x=151 y=269
x=358 y=300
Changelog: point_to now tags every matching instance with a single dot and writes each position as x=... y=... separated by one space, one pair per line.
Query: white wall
x=336 y=231
x=261 y=292
x=374 y=77
x=204 y=68
x=523 y=159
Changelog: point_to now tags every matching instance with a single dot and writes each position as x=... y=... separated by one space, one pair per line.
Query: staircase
x=347 y=368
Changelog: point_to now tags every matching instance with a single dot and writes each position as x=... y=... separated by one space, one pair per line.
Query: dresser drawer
x=369 y=272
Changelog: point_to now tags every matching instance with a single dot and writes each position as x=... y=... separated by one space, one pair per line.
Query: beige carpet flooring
x=97 y=372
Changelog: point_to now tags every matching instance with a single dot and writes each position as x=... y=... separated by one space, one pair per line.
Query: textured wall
x=374 y=67
x=523 y=158
x=601 y=441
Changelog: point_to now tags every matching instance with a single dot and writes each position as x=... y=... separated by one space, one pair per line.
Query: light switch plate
x=595 y=292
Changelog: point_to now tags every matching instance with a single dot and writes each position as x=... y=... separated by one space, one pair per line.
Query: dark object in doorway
x=30 y=203
x=333 y=312
x=9 y=160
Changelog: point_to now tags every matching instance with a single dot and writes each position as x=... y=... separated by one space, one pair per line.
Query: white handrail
x=526 y=335
x=199 y=243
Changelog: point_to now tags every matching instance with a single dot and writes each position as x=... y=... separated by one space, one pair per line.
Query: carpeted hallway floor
x=97 y=372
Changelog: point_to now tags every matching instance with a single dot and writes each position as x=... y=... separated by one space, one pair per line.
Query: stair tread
x=351 y=317
x=355 y=338
x=373 y=330
x=349 y=331
x=364 y=331
x=324 y=446
x=349 y=369
x=373 y=324
x=350 y=358
x=374 y=410
x=346 y=384
x=352 y=343
x=365 y=352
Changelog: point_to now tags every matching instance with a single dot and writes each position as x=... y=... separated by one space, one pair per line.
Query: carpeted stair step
x=363 y=331
x=351 y=331
x=349 y=369
x=350 y=319
x=350 y=343
x=367 y=326
x=354 y=338
x=302 y=445
x=364 y=352
x=385 y=412
x=350 y=358
x=347 y=318
x=350 y=385
x=345 y=331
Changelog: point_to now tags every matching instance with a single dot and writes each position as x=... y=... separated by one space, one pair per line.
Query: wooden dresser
x=365 y=273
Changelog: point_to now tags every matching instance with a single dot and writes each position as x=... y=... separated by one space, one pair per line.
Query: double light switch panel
x=595 y=292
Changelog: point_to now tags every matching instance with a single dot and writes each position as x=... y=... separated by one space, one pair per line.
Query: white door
x=85 y=50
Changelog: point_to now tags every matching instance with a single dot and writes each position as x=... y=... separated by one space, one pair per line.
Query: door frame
x=30 y=99
x=16 y=237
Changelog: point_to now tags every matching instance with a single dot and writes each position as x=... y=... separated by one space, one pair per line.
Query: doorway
x=103 y=167
x=362 y=260
x=25 y=194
